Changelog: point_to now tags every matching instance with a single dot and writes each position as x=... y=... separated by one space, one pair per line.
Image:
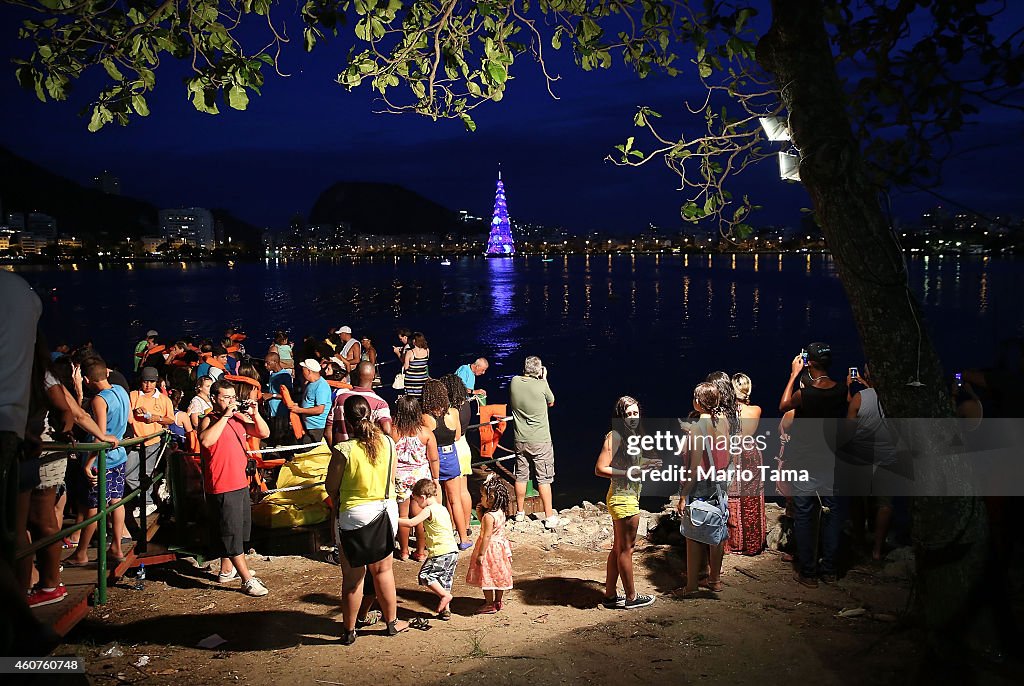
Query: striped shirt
x=379 y=410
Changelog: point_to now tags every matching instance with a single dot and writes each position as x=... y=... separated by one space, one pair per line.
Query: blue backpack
x=706 y=517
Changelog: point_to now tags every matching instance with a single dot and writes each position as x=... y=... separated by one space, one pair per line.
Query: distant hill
x=381 y=208
x=27 y=187
x=86 y=212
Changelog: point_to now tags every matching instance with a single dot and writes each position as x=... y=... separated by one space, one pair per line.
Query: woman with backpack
x=705 y=537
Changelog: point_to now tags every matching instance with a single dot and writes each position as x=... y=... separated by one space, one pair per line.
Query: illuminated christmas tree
x=500 y=244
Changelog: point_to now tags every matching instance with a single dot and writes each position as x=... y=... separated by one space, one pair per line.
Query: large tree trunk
x=950 y=532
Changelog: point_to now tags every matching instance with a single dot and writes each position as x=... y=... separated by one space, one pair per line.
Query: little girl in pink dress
x=490 y=566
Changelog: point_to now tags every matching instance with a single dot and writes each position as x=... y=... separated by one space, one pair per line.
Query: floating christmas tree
x=500 y=244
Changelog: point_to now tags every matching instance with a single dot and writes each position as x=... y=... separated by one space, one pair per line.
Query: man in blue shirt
x=277 y=413
x=469 y=372
x=315 y=404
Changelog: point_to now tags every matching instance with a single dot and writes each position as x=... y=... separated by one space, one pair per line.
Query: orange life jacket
x=295 y=420
x=490 y=434
x=338 y=384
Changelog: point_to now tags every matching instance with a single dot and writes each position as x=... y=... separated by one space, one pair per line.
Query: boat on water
x=548 y=259
x=446 y=262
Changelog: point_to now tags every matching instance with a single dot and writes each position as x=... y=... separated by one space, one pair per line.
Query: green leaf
x=140 y=106
x=496 y=72
x=556 y=40
x=237 y=98
x=742 y=16
x=309 y=38
x=38 y=85
x=468 y=121
x=112 y=70
x=705 y=70
x=100 y=116
x=474 y=88
x=361 y=30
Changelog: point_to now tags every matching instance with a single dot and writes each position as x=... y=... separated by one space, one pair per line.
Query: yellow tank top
x=437 y=528
x=364 y=482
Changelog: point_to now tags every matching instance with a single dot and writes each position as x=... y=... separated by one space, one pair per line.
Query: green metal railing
x=100 y=518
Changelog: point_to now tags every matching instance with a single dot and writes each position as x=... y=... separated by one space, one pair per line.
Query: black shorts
x=230 y=522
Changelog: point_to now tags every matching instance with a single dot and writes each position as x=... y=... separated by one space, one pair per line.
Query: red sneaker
x=39 y=597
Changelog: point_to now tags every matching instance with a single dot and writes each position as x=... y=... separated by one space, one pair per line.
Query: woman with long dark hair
x=444 y=422
x=360 y=480
x=416 y=455
x=624 y=468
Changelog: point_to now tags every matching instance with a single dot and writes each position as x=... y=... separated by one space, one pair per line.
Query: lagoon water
x=651 y=326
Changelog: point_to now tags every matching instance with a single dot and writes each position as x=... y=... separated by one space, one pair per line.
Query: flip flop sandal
x=715 y=586
x=683 y=594
x=419 y=623
x=71 y=563
x=444 y=615
x=500 y=605
x=418 y=557
x=487 y=609
x=393 y=630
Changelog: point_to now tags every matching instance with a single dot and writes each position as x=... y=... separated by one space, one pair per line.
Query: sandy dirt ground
x=762 y=629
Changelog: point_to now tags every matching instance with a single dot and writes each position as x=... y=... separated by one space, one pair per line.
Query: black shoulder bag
x=375 y=541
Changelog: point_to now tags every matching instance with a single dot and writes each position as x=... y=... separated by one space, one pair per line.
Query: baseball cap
x=151 y=333
x=312 y=365
x=820 y=353
x=150 y=374
x=344 y=329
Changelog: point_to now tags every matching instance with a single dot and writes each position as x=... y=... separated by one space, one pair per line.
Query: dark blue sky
x=306 y=132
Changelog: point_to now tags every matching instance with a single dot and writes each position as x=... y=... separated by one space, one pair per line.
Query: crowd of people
x=396 y=468
x=391 y=462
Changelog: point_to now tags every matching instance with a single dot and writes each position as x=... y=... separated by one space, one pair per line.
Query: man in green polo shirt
x=530 y=397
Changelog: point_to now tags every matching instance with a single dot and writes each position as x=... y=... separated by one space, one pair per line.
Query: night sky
x=306 y=132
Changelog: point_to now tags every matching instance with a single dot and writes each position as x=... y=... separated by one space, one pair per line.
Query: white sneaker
x=224 y=578
x=554 y=521
x=520 y=516
x=254 y=587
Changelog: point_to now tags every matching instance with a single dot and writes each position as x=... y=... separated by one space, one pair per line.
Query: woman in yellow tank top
x=624 y=470
x=360 y=480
